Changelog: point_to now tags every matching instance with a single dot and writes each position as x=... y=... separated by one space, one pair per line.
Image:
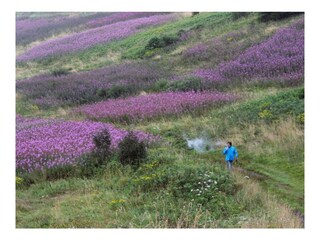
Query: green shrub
x=153 y=43
x=93 y=163
x=187 y=84
x=102 y=92
x=60 y=72
x=161 y=42
x=168 y=40
x=161 y=85
x=102 y=141
x=120 y=91
x=131 y=151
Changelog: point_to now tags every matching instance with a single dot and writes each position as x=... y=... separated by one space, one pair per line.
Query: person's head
x=229 y=144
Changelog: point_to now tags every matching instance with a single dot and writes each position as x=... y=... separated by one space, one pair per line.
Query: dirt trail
x=250 y=174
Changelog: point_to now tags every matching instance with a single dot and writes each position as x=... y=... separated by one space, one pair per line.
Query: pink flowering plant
x=44 y=144
x=153 y=105
x=86 y=39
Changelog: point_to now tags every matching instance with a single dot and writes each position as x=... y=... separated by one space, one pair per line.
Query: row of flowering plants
x=279 y=57
x=91 y=86
x=89 y=38
x=30 y=29
x=153 y=105
x=224 y=48
x=46 y=143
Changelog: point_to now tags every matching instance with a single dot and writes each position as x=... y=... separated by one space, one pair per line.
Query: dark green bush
x=132 y=151
x=120 y=91
x=102 y=141
x=102 y=92
x=60 y=72
x=187 y=84
x=153 y=43
x=93 y=163
x=168 y=40
x=276 y=16
x=161 y=42
x=161 y=85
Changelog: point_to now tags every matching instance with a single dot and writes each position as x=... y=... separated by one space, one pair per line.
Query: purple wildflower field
x=153 y=105
x=46 y=143
x=220 y=48
x=29 y=30
x=279 y=57
x=86 y=39
x=78 y=88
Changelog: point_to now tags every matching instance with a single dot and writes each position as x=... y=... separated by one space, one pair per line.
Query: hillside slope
x=169 y=78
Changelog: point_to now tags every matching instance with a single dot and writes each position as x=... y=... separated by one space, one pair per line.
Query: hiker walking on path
x=231 y=154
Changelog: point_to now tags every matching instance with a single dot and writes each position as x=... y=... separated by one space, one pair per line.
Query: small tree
x=131 y=150
x=102 y=141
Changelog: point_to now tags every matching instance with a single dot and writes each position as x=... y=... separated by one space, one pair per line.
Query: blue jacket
x=230 y=153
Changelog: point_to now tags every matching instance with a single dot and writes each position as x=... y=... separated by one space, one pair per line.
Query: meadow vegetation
x=102 y=131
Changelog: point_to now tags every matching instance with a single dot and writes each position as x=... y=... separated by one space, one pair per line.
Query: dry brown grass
x=265 y=138
x=272 y=215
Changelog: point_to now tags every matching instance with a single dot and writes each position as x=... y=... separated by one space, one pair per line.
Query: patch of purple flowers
x=47 y=143
x=86 y=39
x=153 y=105
x=87 y=87
x=279 y=57
x=29 y=30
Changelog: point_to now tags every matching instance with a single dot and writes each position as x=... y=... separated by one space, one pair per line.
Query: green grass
x=273 y=147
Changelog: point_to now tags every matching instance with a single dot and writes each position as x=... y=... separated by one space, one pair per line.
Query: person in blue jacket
x=231 y=154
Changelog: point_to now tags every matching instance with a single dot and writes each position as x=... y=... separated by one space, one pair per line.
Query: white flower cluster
x=206 y=184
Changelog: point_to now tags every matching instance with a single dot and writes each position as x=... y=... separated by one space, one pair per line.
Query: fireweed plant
x=153 y=105
x=44 y=144
x=29 y=29
x=126 y=79
x=86 y=39
x=279 y=57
